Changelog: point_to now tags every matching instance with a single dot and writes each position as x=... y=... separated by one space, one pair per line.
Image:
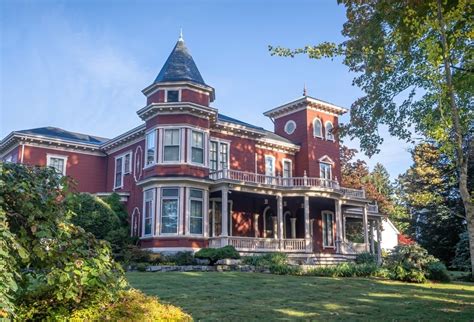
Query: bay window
x=197 y=147
x=169 y=210
x=150 y=147
x=196 y=212
x=171 y=145
x=148 y=212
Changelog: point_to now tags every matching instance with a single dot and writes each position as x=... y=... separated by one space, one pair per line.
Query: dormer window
x=172 y=96
x=329 y=134
x=317 y=128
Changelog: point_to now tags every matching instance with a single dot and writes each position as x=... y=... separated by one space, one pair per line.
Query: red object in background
x=405 y=240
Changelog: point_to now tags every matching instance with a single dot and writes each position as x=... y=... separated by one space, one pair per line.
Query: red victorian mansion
x=192 y=177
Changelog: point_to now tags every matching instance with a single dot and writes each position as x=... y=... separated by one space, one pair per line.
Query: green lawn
x=254 y=296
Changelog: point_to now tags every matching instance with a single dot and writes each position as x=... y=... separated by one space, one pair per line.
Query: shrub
x=56 y=267
x=215 y=254
x=266 y=260
x=134 y=254
x=409 y=263
x=131 y=305
x=180 y=259
x=462 y=258
x=366 y=258
x=437 y=271
x=345 y=270
x=285 y=269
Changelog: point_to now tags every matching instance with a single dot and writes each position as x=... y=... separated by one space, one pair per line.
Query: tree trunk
x=461 y=161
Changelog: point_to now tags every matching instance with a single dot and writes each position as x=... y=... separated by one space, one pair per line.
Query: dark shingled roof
x=57 y=133
x=180 y=66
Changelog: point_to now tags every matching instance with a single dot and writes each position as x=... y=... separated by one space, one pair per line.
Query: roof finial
x=305 y=92
x=180 y=35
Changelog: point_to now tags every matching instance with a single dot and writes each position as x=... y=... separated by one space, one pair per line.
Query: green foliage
x=437 y=271
x=411 y=263
x=105 y=218
x=266 y=260
x=285 y=269
x=366 y=258
x=344 y=270
x=462 y=258
x=215 y=254
x=180 y=259
x=57 y=266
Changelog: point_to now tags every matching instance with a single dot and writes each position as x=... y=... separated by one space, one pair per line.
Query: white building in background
x=390 y=235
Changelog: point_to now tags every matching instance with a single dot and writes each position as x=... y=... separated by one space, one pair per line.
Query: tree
x=414 y=62
x=428 y=189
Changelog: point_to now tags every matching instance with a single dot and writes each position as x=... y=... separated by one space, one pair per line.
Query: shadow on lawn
x=254 y=296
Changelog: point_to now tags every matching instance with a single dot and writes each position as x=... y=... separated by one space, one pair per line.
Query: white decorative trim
x=288 y=123
x=172 y=89
x=172 y=249
x=283 y=167
x=326 y=159
x=138 y=167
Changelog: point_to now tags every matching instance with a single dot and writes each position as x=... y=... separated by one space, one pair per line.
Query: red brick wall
x=173 y=242
x=177 y=119
x=89 y=171
x=242 y=152
x=187 y=95
x=279 y=156
x=176 y=170
x=312 y=148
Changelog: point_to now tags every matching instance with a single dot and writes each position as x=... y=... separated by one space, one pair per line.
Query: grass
x=253 y=296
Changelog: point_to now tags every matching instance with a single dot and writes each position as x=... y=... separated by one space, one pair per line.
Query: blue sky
x=81 y=65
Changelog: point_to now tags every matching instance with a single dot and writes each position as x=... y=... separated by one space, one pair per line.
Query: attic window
x=172 y=96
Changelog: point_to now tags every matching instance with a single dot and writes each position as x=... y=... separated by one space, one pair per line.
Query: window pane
x=171 y=153
x=195 y=222
x=172 y=96
x=57 y=164
x=317 y=128
x=213 y=155
x=127 y=163
x=172 y=137
x=170 y=192
x=197 y=140
x=118 y=172
x=169 y=216
x=151 y=147
x=196 y=194
x=224 y=153
x=195 y=225
x=197 y=155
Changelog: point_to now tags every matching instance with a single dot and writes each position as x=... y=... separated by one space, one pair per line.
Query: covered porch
x=280 y=222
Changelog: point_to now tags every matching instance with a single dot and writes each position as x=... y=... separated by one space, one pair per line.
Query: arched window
x=317 y=128
x=329 y=128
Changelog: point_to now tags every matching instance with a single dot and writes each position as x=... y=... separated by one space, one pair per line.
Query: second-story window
x=118 y=173
x=197 y=147
x=213 y=155
x=224 y=155
x=171 y=145
x=286 y=169
x=325 y=171
x=172 y=96
x=150 y=147
x=269 y=165
x=329 y=128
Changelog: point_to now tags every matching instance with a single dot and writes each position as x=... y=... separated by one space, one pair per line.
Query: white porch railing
x=353 y=248
x=251 y=244
x=373 y=208
x=280 y=182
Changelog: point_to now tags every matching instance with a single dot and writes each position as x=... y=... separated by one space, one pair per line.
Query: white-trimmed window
x=123 y=166
x=329 y=127
x=317 y=128
x=328 y=228
x=151 y=148
x=171 y=145
x=148 y=212
x=173 y=95
x=287 y=167
x=58 y=162
x=290 y=127
x=270 y=165
x=196 y=212
x=169 y=211
x=325 y=171
x=197 y=147
x=218 y=155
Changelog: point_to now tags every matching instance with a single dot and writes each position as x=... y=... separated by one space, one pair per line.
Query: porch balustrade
x=280 y=182
x=250 y=244
x=353 y=248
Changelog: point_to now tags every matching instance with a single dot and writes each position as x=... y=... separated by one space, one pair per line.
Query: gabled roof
x=60 y=134
x=304 y=102
x=180 y=66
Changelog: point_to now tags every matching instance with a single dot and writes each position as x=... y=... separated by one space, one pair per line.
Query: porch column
x=280 y=216
x=225 y=215
x=275 y=226
x=379 y=241
x=372 y=244
x=293 y=227
x=255 y=225
x=339 y=236
x=366 y=231
x=307 y=229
